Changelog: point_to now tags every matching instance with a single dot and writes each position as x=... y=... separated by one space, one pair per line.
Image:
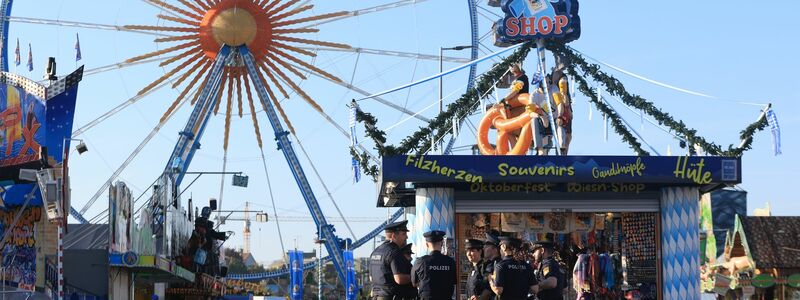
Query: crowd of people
x=503 y=267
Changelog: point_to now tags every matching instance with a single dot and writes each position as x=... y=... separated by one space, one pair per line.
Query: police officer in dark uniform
x=434 y=274
x=477 y=287
x=513 y=279
x=551 y=281
x=388 y=268
x=406 y=291
x=491 y=256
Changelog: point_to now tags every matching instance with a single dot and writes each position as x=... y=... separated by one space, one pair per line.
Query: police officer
x=491 y=256
x=434 y=274
x=477 y=287
x=387 y=267
x=551 y=280
x=513 y=279
x=406 y=291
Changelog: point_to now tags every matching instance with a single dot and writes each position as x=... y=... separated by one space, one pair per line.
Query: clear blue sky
x=732 y=51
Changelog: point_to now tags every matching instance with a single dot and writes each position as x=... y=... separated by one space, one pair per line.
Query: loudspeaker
x=212 y=203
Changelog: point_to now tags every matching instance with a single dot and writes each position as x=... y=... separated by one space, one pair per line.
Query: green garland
x=420 y=140
x=612 y=115
x=615 y=87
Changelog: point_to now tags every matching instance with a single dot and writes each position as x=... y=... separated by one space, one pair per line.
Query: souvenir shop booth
x=639 y=215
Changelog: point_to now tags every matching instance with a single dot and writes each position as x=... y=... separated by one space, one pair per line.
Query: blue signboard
x=527 y=20
x=459 y=169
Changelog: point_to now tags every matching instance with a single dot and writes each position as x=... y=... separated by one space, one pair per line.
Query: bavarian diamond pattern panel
x=680 y=243
x=435 y=210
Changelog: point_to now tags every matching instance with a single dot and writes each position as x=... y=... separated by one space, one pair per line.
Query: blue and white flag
x=354 y=142
x=77 y=47
x=30 y=58
x=296 y=274
x=351 y=292
x=17 y=55
x=772 y=119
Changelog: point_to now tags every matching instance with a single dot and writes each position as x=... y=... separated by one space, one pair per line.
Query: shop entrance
x=605 y=254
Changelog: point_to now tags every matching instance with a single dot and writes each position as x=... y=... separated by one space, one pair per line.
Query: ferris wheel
x=153 y=64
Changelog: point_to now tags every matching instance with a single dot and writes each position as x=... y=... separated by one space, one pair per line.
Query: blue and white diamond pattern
x=435 y=211
x=680 y=219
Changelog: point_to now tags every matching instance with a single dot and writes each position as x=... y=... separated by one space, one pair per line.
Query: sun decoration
x=260 y=25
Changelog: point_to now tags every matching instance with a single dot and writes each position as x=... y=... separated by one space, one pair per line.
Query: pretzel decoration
x=505 y=123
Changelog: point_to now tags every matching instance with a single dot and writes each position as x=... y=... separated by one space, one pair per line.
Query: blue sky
x=742 y=51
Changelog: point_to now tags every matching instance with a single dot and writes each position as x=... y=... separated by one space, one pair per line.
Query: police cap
x=510 y=241
x=492 y=238
x=473 y=244
x=396 y=226
x=434 y=236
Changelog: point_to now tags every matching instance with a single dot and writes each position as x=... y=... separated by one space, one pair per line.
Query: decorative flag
x=17 y=59
x=772 y=119
x=30 y=58
x=77 y=47
x=455 y=126
x=350 y=280
x=296 y=274
x=353 y=143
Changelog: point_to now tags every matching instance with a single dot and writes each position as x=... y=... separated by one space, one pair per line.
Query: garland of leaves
x=612 y=115
x=420 y=141
x=615 y=87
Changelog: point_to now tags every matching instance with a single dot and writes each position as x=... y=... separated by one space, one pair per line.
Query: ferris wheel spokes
x=64 y=23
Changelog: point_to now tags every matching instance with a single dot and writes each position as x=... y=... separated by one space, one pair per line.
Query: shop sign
x=763 y=281
x=471 y=169
x=794 y=280
x=526 y=20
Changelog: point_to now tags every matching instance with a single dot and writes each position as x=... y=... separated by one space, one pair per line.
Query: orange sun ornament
x=265 y=27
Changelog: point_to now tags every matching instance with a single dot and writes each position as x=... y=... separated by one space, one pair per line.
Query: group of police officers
x=516 y=275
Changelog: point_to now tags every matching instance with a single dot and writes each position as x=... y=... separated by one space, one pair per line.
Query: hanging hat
x=492 y=238
x=511 y=241
x=434 y=236
x=473 y=244
x=396 y=226
x=407 y=249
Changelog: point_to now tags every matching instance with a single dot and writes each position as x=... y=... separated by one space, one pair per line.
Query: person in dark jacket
x=491 y=256
x=477 y=286
x=388 y=268
x=406 y=291
x=513 y=279
x=551 y=280
x=434 y=274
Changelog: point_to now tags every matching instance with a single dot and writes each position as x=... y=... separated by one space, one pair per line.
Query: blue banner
x=350 y=280
x=296 y=274
x=459 y=169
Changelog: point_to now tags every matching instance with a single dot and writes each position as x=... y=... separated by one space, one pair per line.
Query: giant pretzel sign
x=506 y=122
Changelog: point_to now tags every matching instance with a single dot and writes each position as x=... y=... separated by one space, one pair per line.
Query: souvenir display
x=603 y=255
